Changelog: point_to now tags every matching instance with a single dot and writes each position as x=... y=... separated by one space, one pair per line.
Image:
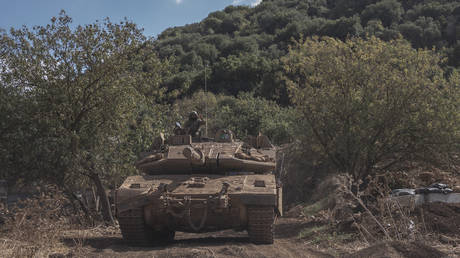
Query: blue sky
x=152 y=15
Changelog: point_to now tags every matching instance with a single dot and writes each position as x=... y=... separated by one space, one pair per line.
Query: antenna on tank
x=206 y=99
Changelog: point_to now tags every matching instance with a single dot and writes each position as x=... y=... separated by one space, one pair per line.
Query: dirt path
x=218 y=244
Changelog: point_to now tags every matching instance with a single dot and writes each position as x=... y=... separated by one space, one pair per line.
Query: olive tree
x=369 y=103
x=78 y=91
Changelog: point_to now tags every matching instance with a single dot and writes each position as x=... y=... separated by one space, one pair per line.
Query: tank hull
x=196 y=184
x=200 y=203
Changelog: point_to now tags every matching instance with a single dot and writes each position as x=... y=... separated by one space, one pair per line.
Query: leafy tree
x=212 y=25
x=191 y=60
x=206 y=51
x=238 y=73
x=14 y=128
x=367 y=103
x=171 y=50
x=233 y=22
x=388 y=11
x=269 y=28
x=455 y=56
x=220 y=41
x=244 y=115
x=249 y=115
x=241 y=45
x=343 y=27
x=423 y=32
x=76 y=91
x=374 y=28
x=317 y=8
x=436 y=10
x=344 y=8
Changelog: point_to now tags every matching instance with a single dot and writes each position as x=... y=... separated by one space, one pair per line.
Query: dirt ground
x=217 y=244
x=398 y=249
x=442 y=218
x=108 y=242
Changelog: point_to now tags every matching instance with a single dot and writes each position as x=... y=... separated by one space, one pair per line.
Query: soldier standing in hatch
x=192 y=125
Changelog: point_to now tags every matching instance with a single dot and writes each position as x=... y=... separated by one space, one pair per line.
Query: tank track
x=260 y=224
x=136 y=233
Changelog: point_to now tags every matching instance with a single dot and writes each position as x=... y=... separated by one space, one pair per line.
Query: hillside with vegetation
x=242 y=46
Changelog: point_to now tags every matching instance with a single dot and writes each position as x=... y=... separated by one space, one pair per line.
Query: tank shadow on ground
x=284 y=229
x=117 y=244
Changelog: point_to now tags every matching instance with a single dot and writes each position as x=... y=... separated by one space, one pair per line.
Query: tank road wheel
x=133 y=228
x=260 y=224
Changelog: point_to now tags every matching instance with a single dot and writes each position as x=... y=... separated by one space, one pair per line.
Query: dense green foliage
x=244 y=115
x=68 y=96
x=242 y=45
x=368 y=103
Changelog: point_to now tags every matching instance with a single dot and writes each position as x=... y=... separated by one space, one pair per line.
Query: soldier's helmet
x=193 y=115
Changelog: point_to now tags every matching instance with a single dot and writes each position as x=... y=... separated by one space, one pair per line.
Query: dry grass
x=381 y=218
x=33 y=228
x=357 y=218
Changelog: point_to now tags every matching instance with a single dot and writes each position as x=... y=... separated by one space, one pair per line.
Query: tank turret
x=186 y=154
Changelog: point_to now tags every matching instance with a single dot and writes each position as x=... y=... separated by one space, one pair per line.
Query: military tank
x=200 y=184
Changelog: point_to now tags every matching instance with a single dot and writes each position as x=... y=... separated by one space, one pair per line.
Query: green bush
x=244 y=115
x=370 y=103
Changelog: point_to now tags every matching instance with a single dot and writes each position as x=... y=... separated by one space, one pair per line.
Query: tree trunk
x=104 y=200
x=82 y=205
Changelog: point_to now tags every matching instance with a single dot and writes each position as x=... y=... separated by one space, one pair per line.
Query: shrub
x=244 y=115
x=369 y=102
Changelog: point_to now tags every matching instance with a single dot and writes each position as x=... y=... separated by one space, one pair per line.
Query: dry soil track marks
x=218 y=244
